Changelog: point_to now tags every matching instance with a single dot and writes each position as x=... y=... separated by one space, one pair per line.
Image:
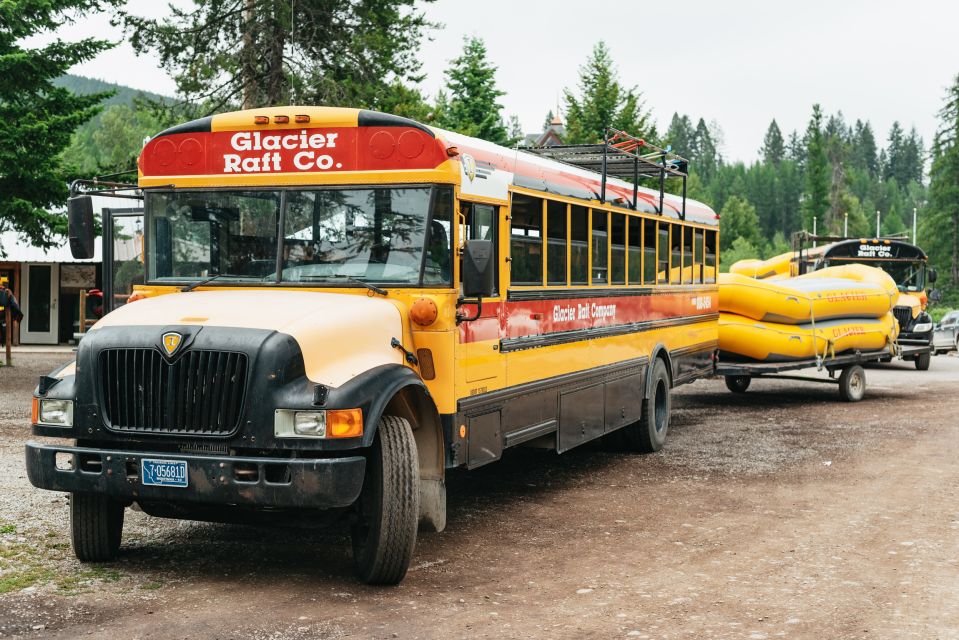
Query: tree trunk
x=275 y=80
x=955 y=248
x=248 y=63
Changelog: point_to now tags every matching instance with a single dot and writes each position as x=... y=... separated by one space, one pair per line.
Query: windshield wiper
x=362 y=283
x=200 y=283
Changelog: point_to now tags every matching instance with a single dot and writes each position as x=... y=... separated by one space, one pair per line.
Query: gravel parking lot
x=782 y=512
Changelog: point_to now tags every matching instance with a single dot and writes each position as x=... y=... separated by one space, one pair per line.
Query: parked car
x=946 y=336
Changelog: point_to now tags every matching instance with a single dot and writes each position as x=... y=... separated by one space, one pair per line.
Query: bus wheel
x=96 y=526
x=738 y=384
x=923 y=360
x=388 y=508
x=649 y=433
x=852 y=383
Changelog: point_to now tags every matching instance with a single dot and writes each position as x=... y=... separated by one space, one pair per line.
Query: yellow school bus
x=341 y=305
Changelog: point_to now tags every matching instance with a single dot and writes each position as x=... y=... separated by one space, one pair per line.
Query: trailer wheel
x=388 y=508
x=96 y=526
x=923 y=360
x=738 y=384
x=852 y=383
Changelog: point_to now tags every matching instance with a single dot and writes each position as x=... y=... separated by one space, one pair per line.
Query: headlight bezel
x=55 y=412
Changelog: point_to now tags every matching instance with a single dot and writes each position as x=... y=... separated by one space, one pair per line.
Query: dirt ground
x=782 y=512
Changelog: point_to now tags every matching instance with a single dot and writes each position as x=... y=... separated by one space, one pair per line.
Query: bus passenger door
x=484 y=365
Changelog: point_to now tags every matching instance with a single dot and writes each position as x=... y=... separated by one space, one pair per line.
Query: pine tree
x=470 y=102
x=815 y=198
x=37 y=118
x=940 y=229
x=739 y=220
x=774 y=147
x=603 y=102
x=863 y=155
x=256 y=53
x=681 y=135
x=706 y=154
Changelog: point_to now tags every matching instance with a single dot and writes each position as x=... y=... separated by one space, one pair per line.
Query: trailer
x=851 y=379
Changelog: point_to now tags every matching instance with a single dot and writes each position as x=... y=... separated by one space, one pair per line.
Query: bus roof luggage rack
x=622 y=156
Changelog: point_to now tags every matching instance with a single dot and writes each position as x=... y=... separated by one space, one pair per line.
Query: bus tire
x=96 y=526
x=384 y=533
x=852 y=383
x=648 y=434
x=923 y=360
x=738 y=384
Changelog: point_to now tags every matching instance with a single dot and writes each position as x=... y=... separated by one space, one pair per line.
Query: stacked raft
x=822 y=313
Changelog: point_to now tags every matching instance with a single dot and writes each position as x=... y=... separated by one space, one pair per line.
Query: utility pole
x=914 y=225
x=845 y=224
x=814 y=243
x=877 y=223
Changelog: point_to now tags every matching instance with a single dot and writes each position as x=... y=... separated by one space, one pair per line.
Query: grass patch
x=8 y=528
x=151 y=586
x=23 y=578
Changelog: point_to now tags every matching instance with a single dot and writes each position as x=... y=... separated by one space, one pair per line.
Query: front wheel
x=923 y=360
x=96 y=526
x=388 y=508
x=852 y=383
x=738 y=384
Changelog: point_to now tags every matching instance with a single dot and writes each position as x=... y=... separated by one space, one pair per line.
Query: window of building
x=617 y=248
x=556 y=238
x=600 y=247
x=526 y=240
x=578 y=245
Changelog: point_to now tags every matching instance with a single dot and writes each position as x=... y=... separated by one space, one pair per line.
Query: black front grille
x=903 y=316
x=200 y=393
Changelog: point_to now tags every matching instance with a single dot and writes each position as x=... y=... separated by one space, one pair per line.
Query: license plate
x=163 y=473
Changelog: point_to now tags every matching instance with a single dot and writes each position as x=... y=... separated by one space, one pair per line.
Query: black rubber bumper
x=321 y=483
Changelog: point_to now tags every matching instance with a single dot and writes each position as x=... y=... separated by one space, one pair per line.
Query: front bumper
x=319 y=483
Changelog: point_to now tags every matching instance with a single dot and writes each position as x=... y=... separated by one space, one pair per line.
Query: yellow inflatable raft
x=777 y=266
x=773 y=342
x=848 y=291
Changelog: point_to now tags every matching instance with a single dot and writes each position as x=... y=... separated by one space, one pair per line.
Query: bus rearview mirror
x=478 y=269
x=933 y=275
x=81 y=226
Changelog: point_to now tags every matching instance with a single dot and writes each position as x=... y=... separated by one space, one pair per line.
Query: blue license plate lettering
x=163 y=473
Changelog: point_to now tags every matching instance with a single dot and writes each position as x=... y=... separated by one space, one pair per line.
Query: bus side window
x=688 y=264
x=709 y=264
x=635 y=250
x=481 y=225
x=556 y=242
x=662 y=254
x=698 y=257
x=676 y=242
x=526 y=240
x=617 y=243
x=649 y=252
x=600 y=246
x=578 y=245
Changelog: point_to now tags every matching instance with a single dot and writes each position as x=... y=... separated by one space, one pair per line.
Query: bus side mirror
x=933 y=275
x=81 y=227
x=478 y=269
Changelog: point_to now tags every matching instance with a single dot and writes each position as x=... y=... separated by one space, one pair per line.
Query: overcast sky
x=737 y=62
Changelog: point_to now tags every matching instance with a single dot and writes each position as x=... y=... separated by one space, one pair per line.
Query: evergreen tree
x=257 y=53
x=774 y=147
x=739 y=220
x=863 y=154
x=796 y=149
x=681 y=136
x=706 y=153
x=603 y=102
x=469 y=105
x=815 y=198
x=37 y=118
x=941 y=222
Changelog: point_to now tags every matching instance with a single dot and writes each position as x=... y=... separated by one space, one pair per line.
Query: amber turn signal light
x=423 y=312
x=302 y=119
x=35 y=411
x=262 y=119
x=344 y=423
x=281 y=119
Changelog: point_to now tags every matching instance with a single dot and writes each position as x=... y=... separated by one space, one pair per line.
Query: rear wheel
x=738 y=384
x=923 y=360
x=388 y=508
x=852 y=383
x=648 y=434
x=96 y=526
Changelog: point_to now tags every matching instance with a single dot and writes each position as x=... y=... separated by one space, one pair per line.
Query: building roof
x=18 y=249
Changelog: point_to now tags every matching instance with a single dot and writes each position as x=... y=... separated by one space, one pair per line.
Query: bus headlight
x=922 y=327
x=58 y=413
x=332 y=423
x=310 y=423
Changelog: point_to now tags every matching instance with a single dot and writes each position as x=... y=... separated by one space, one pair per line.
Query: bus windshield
x=397 y=235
